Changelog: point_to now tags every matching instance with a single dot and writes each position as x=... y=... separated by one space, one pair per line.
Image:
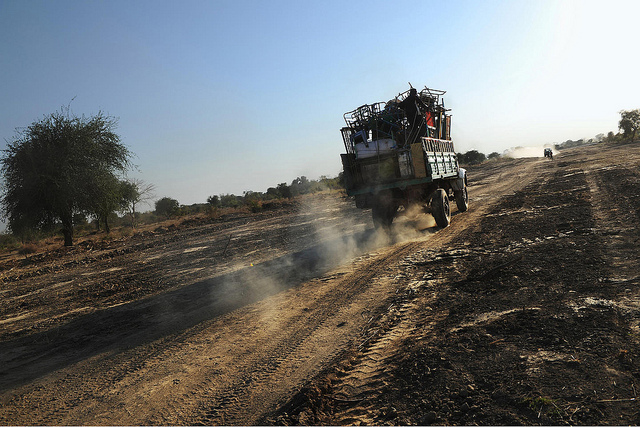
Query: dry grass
x=27 y=249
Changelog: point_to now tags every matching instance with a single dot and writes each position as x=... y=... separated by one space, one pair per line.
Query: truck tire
x=462 y=199
x=440 y=208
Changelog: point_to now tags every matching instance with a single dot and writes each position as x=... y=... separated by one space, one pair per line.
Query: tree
x=56 y=168
x=110 y=199
x=300 y=185
x=229 y=201
x=214 y=201
x=134 y=192
x=167 y=206
x=249 y=196
x=629 y=122
x=494 y=155
x=284 y=190
x=472 y=157
x=273 y=193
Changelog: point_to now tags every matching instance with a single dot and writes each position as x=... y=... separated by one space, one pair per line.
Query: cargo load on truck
x=399 y=153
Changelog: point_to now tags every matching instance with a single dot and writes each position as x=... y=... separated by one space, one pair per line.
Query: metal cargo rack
x=404 y=141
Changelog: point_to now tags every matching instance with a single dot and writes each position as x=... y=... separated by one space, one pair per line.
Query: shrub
x=254 y=206
x=9 y=242
x=28 y=248
x=167 y=207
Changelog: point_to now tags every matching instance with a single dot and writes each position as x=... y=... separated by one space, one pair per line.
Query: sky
x=217 y=97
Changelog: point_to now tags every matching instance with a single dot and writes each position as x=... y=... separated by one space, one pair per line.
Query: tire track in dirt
x=618 y=217
x=303 y=342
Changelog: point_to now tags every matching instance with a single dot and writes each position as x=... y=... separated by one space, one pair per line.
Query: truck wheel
x=462 y=199
x=383 y=215
x=440 y=208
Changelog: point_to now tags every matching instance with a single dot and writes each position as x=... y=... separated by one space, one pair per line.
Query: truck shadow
x=122 y=327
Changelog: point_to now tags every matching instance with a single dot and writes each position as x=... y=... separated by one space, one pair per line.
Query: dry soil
x=525 y=310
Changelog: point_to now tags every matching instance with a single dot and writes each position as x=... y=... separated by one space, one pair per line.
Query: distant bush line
x=169 y=208
x=249 y=201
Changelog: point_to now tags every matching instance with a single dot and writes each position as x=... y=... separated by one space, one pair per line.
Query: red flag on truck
x=430 y=121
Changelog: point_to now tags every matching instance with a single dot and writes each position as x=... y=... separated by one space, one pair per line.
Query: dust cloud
x=520 y=152
x=336 y=237
x=412 y=223
x=353 y=236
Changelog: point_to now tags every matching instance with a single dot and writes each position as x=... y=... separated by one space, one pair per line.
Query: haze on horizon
x=226 y=96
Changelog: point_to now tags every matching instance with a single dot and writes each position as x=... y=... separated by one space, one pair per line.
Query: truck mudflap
x=461 y=182
x=364 y=201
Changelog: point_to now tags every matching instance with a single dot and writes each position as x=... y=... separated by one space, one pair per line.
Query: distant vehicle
x=548 y=152
x=400 y=153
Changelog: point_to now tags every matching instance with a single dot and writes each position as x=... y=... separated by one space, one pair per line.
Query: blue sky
x=226 y=96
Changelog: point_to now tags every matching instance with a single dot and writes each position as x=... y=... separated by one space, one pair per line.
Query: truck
x=399 y=153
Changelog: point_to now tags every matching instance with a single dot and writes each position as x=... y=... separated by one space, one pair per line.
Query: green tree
x=472 y=157
x=229 y=201
x=214 y=201
x=249 y=196
x=167 y=206
x=56 y=168
x=284 y=190
x=300 y=185
x=111 y=199
x=629 y=122
x=273 y=193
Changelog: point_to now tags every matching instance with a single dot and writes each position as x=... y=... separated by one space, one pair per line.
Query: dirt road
x=524 y=310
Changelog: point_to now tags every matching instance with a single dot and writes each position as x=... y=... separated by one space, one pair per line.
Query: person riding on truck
x=412 y=105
